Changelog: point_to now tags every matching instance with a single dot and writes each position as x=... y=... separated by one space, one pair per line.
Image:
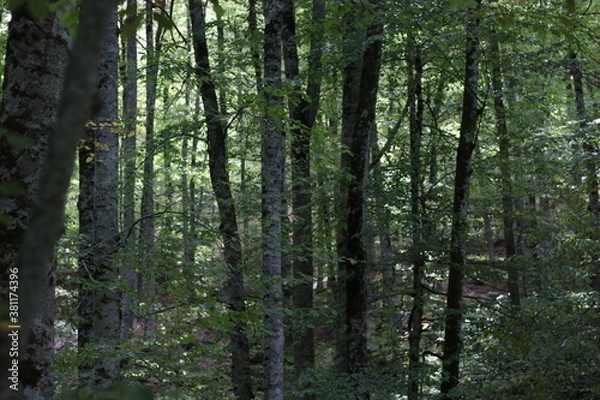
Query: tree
x=46 y=219
x=468 y=137
x=273 y=145
x=219 y=176
x=98 y=205
x=416 y=106
x=354 y=255
x=31 y=90
x=302 y=114
x=147 y=226
x=130 y=105
x=504 y=147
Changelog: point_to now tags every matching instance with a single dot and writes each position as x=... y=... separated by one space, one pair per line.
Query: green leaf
x=570 y=4
x=463 y=3
x=130 y=27
x=70 y=19
x=164 y=20
x=12 y=5
x=217 y=7
x=38 y=8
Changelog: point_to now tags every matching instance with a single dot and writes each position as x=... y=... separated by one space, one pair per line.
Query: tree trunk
x=468 y=134
x=355 y=256
x=147 y=228
x=505 y=172
x=106 y=214
x=354 y=37
x=46 y=221
x=415 y=73
x=302 y=112
x=130 y=106
x=219 y=175
x=98 y=204
x=253 y=34
x=31 y=91
x=273 y=145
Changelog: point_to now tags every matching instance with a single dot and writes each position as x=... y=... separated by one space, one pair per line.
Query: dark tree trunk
x=468 y=134
x=31 y=90
x=415 y=89
x=302 y=111
x=219 y=175
x=355 y=255
x=504 y=146
x=273 y=145
x=354 y=37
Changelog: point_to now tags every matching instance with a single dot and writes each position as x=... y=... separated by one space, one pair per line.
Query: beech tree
x=31 y=90
x=272 y=178
x=219 y=175
x=46 y=218
x=471 y=110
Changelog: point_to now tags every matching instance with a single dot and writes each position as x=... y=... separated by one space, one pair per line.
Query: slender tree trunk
x=31 y=91
x=273 y=145
x=130 y=106
x=254 y=47
x=505 y=172
x=588 y=146
x=219 y=175
x=415 y=73
x=303 y=112
x=147 y=228
x=468 y=134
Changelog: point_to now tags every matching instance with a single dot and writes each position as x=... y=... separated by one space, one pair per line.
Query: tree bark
x=106 y=215
x=46 y=222
x=415 y=90
x=355 y=256
x=130 y=107
x=98 y=205
x=302 y=110
x=31 y=90
x=273 y=145
x=219 y=175
x=467 y=141
x=354 y=37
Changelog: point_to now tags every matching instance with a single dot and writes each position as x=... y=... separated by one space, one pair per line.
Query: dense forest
x=300 y=199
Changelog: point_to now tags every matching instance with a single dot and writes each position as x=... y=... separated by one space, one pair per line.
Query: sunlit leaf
x=217 y=7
